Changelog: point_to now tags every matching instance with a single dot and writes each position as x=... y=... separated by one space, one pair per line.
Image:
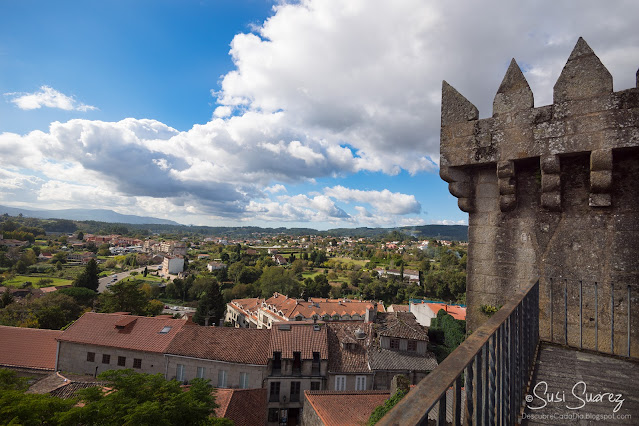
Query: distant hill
x=100 y=215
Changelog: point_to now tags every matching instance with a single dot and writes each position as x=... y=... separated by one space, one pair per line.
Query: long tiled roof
x=386 y=359
x=339 y=408
x=300 y=338
x=402 y=325
x=292 y=308
x=246 y=407
x=240 y=345
x=28 y=347
x=123 y=331
x=348 y=352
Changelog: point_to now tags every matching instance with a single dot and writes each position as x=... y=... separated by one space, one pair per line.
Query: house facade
x=298 y=361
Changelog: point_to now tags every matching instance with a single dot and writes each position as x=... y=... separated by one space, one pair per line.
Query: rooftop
x=345 y=407
x=28 y=347
x=241 y=345
x=246 y=407
x=303 y=338
x=148 y=334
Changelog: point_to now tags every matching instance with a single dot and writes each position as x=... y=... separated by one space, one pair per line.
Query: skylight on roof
x=165 y=330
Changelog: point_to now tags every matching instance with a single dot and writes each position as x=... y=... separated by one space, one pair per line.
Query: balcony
x=492 y=378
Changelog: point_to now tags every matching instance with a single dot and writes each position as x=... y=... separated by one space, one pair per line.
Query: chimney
x=371 y=315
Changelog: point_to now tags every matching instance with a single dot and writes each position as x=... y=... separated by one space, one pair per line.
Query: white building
x=172 y=265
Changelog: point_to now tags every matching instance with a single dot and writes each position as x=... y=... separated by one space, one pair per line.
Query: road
x=120 y=276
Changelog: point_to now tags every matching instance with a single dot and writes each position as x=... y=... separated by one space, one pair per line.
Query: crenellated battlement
x=586 y=116
x=551 y=191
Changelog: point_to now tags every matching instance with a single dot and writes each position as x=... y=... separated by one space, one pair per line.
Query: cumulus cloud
x=48 y=97
x=323 y=88
x=394 y=203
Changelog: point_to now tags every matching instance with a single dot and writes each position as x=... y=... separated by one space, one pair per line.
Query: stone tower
x=552 y=192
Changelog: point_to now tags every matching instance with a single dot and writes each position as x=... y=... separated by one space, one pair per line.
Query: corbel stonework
x=600 y=177
x=507 y=186
x=459 y=185
x=550 y=182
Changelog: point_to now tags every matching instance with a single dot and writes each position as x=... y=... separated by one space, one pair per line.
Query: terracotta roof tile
x=123 y=331
x=246 y=407
x=457 y=312
x=241 y=345
x=400 y=324
x=28 y=347
x=300 y=338
x=345 y=408
x=348 y=353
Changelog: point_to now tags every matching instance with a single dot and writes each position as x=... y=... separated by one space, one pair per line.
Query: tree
x=89 y=277
x=6 y=299
x=58 y=265
x=124 y=296
x=80 y=235
x=211 y=306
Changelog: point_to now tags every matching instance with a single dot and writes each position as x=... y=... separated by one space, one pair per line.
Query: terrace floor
x=592 y=384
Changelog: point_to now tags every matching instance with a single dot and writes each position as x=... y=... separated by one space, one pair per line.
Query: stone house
x=298 y=361
x=100 y=342
x=228 y=357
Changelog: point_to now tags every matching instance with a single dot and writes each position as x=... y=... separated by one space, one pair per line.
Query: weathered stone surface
x=455 y=107
x=514 y=92
x=583 y=76
x=552 y=193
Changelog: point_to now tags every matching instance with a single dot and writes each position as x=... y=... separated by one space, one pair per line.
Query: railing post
x=441 y=412
x=628 y=320
x=551 y=315
x=612 y=318
x=581 y=346
x=469 y=375
x=596 y=319
x=566 y=312
x=485 y=387
x=478 y=388
x=492 y=390
x=457 y=405
x=507 y=374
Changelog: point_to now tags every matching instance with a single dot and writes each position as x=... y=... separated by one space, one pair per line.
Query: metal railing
x=595 y=308
x=495 y=364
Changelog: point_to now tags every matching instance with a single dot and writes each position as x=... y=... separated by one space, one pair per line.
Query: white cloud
x=48 y=97
x=449 y=222
x=322 y=88
x=394 y=203
x=275 y=188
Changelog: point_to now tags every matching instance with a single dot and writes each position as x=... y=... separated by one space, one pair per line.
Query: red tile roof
x=246 y=407
x=28 y=347
x=300 y=338
x=241 y=345
x=457 y=312
x=123 y=331
x=345 y=408
x=400 y=324
x=291 y=308
x=348 y=352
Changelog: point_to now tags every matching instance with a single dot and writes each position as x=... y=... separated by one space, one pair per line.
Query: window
x=221 y=379
x=394 y=343
x=91 y=356
x=106 y=359
x=360 y=383
x=340 y=383
x=277 y=362
x=165 y=330
x=316 y=385
x=295 y=391
x=244 y=380
x=122 y=361
x=273 y=415
x=297 y=362
x=315 y=366
x=274 y=394
x=137 y=363
x=179 y=372
x=412 y=345
x=200 y=373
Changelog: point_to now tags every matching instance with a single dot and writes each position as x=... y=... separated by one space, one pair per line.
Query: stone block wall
x=552 y=192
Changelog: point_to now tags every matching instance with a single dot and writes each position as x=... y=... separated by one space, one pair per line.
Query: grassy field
x=19 y=280
x=349 y=260
x=310 y=274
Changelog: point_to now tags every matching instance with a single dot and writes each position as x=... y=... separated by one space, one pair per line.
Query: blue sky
x=253 y=112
